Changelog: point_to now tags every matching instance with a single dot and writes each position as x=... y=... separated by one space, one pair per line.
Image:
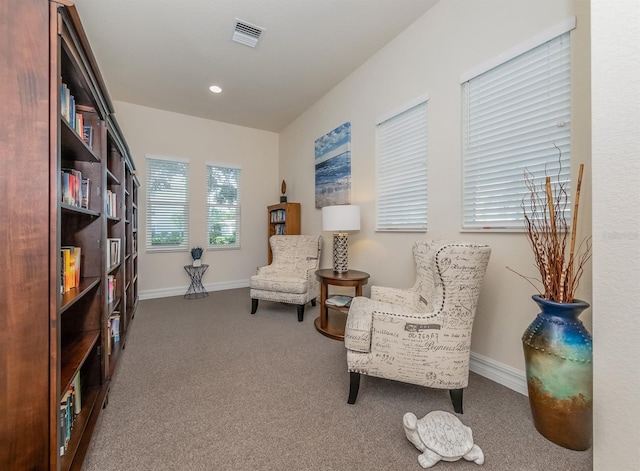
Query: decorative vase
x=558 y=353
x=197 y=262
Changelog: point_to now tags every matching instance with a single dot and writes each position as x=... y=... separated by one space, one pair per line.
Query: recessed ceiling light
x=215 y=89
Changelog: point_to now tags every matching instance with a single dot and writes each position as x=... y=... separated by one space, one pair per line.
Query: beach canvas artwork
x=333 y=167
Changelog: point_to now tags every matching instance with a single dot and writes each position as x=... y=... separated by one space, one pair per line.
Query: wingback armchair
x=290 y=278
x=420 y=335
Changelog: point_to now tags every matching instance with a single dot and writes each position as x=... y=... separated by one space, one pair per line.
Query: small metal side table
x=196 y=288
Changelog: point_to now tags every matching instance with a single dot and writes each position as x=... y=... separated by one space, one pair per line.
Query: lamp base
x=340 y=252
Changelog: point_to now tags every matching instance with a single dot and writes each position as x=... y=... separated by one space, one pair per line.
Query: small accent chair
x=420 y=335
x=291 y=277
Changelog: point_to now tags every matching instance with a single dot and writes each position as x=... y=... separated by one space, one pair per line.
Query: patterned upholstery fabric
x=421 y=335
x=291 y=276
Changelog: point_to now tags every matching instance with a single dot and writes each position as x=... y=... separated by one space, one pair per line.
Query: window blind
x=223 y=206
x=516 y=118
x=401 y=171
x=167 y=204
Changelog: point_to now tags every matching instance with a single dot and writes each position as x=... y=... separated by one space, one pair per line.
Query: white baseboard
x=500 y=373
x=180 y=290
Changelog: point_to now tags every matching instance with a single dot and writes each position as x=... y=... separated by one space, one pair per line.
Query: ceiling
x=165 y=54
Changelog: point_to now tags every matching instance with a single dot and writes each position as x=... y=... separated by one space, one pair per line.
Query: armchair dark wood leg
x=354 y=386
x=456 y=399
x=254 y=305
x=313 y=302
x=300 y=312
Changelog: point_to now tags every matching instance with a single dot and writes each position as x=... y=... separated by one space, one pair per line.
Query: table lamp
x=340 y=219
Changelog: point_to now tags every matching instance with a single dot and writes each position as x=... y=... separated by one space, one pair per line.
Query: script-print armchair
x=420 y=335
x=290 y=278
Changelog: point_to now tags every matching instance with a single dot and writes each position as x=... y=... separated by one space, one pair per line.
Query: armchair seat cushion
x=284 y=283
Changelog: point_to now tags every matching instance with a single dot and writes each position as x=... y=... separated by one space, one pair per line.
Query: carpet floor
x=204 y=385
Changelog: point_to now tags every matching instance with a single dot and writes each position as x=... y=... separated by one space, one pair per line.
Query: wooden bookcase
x=283 y=219
x=56 y=326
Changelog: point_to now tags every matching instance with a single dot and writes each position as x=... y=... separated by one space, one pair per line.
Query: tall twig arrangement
x=548 y=232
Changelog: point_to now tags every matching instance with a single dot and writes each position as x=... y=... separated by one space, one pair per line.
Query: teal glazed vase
x=558 y=352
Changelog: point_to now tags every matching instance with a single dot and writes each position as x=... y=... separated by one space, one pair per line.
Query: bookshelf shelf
x=73 y=185
x=75 y=294
x=89 y=400
x=74 y=353
x=112 y=179
x=76 y=209
x=113 y=306
x=73 y=147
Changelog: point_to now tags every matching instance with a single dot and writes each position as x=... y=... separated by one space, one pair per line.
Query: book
x=71 y=186
x=77 y=404
x=87 y=135
x=111 y=204
x=70 y=259
x=113 y=251
x=66 y=282
x=62 y=439
x=77 y=253
x=111 y=288
x=85 y=193
x=115 y=327
x=79 y=124
x=339 y=301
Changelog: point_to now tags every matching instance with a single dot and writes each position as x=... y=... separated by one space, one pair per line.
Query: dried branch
x=574 y=225
x=547 y=231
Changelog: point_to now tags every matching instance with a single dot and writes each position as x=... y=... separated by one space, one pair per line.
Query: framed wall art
x=333 y=167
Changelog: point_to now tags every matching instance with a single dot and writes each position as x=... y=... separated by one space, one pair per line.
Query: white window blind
x=401 y=171
x=223 y=206
x=514 y=117
x=167 y=204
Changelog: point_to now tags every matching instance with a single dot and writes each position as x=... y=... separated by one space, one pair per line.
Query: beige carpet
x=204 y=385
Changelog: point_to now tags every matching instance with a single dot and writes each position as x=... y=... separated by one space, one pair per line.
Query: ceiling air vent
x=247 y=34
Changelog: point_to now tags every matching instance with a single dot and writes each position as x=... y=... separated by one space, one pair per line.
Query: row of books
x=280 y=229
x=114 y=331
x=111 y=288
x=279 y=215
x=69 y=111
x=75 y=188
x=70 y=407
x=113 y=251
x=69 y=268
x=111 y=204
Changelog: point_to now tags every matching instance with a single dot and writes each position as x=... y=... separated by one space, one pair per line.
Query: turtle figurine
x=439 y=436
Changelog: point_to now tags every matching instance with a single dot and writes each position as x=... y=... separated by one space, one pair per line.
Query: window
x=223 y=206
x=167 y=204
x=516 y=118
x=401 y=170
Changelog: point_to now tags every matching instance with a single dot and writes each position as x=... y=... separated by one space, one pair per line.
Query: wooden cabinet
x=284 y=219
x=69 y=188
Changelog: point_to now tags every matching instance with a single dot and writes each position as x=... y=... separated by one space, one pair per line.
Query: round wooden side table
x=333 y=326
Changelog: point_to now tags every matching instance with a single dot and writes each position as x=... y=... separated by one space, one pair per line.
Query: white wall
x=616 y=231
x=151 y=131
x=453 y=37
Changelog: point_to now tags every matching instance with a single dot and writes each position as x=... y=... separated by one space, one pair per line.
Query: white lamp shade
x=341 y=218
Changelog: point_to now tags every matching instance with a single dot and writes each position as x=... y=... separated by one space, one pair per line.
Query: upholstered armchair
x=290 y=278
x=420 y=335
